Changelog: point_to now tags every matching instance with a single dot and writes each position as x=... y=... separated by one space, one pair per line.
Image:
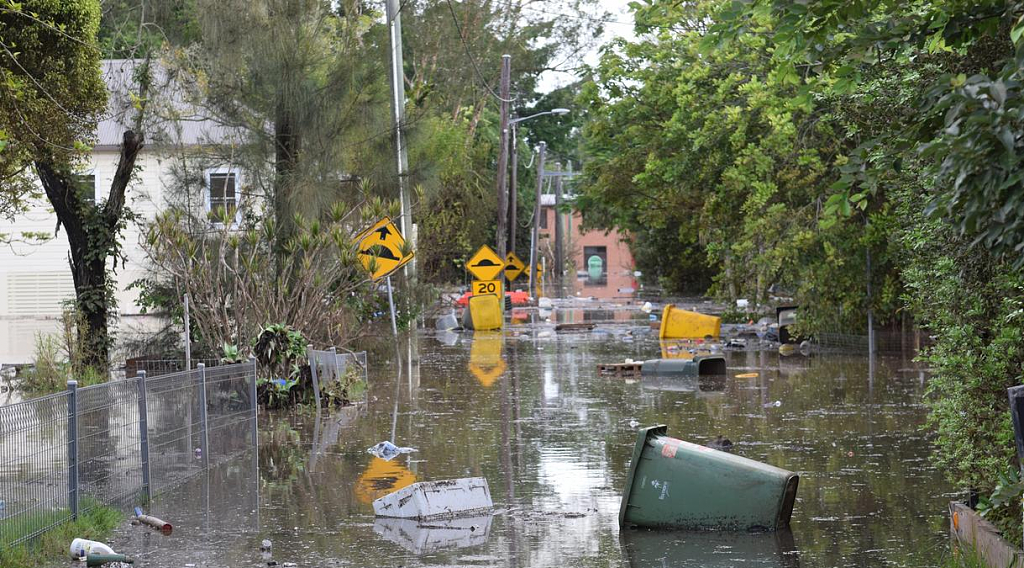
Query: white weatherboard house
x=36 y=278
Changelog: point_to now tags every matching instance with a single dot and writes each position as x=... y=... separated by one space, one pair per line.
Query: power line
x=465 y=46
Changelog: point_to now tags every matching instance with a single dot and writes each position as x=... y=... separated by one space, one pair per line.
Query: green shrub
x=51 y=369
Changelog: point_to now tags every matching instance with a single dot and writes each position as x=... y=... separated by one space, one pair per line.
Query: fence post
x=204 y=437
x=255 y=405
x=313 y=360
x=73 y=448
x=144 y=433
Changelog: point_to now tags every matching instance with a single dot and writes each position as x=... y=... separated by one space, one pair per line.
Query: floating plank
x=586 y=326
x=621 y=369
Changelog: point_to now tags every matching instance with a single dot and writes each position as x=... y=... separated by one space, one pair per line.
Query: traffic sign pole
x=391 y=303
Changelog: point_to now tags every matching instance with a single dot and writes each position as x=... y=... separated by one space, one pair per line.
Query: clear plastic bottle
x=82 y=547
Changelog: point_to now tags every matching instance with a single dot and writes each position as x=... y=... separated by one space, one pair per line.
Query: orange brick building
x=603 y=264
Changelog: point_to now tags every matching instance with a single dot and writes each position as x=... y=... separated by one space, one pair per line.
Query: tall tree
x=53 y=96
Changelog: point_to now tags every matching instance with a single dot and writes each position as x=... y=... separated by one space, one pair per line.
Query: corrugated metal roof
x=171 y=119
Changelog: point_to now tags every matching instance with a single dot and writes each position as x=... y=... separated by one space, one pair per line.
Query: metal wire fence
x=34 y=450
x=115 y=443
x=885 y=342
x=157 y=367
x=329 y=367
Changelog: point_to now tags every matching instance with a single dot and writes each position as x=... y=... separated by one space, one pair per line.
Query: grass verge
x=46 y=550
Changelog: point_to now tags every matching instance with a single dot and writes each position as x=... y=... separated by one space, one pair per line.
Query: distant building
x=604 y=266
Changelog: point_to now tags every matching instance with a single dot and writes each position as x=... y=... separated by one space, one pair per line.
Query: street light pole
x=541 y=152
x=398 y=106
x=512 y=194
x=506 y=78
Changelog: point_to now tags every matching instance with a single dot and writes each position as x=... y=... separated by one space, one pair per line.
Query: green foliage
x=231 y=354
x=717 y=170
x=62 y=357
x=50 y=87
x=278 y=349
x=970 y=303
x=95 y=522
x=1002 y=507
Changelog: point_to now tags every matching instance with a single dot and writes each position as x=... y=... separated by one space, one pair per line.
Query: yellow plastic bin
x=677 y=323
x=483 y=312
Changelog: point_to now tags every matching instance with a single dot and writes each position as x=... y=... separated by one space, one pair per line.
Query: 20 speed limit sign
x=486 y=287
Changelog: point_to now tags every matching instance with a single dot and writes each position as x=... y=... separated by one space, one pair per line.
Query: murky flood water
x=528 y=411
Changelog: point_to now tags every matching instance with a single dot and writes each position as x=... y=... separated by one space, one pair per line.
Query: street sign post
x=485 y=264
x=514 y=267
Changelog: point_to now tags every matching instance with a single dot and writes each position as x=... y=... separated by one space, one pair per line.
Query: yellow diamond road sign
x=380 y=249
x=513 y=266
x=485 y=264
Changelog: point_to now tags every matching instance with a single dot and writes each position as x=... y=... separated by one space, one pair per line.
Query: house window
x=85 y=184
x=595 y=263
x=544 y=217
x=222 y=193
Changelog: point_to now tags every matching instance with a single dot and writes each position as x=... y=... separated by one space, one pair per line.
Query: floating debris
x=388 y=451
x=468 y=496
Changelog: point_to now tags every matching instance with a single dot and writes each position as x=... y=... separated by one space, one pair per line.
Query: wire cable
x=465 y=46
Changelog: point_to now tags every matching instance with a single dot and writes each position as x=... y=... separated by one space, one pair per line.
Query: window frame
x=208 y=187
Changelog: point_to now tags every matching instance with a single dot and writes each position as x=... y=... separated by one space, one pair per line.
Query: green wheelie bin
x=676 y=484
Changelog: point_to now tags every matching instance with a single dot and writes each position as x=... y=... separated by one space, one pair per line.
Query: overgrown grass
x=964 y=557
x=51 y=370
x=48 y=549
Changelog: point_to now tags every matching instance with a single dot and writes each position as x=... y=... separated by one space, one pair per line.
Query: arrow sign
x=380 y=249
x=514 y=267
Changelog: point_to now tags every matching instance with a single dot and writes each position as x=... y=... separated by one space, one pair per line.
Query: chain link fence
x=115 y=443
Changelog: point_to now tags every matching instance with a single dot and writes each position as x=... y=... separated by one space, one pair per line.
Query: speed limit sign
x=486 y=287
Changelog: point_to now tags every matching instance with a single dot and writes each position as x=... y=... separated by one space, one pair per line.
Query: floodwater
x=527 y=410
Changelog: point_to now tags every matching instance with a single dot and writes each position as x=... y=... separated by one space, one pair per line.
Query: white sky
x=620 y=24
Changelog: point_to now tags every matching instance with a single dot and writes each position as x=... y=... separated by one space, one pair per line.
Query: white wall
x=35 y=278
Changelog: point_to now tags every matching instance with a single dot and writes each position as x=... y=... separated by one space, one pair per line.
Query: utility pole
x=506 y=79
x=541 y=151
x=398 y=106
x=513 y=196
x=559 y=232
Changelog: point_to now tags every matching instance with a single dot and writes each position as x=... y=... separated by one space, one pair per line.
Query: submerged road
x=527 y=410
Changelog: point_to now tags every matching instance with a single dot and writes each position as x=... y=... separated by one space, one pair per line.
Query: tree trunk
x=93 y=234
x=286 y=157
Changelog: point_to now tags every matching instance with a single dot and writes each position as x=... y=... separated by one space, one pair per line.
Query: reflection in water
x=485 y=356
x=382 y=477
x=678 y=549
x=554 y=439
x=425 y=537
